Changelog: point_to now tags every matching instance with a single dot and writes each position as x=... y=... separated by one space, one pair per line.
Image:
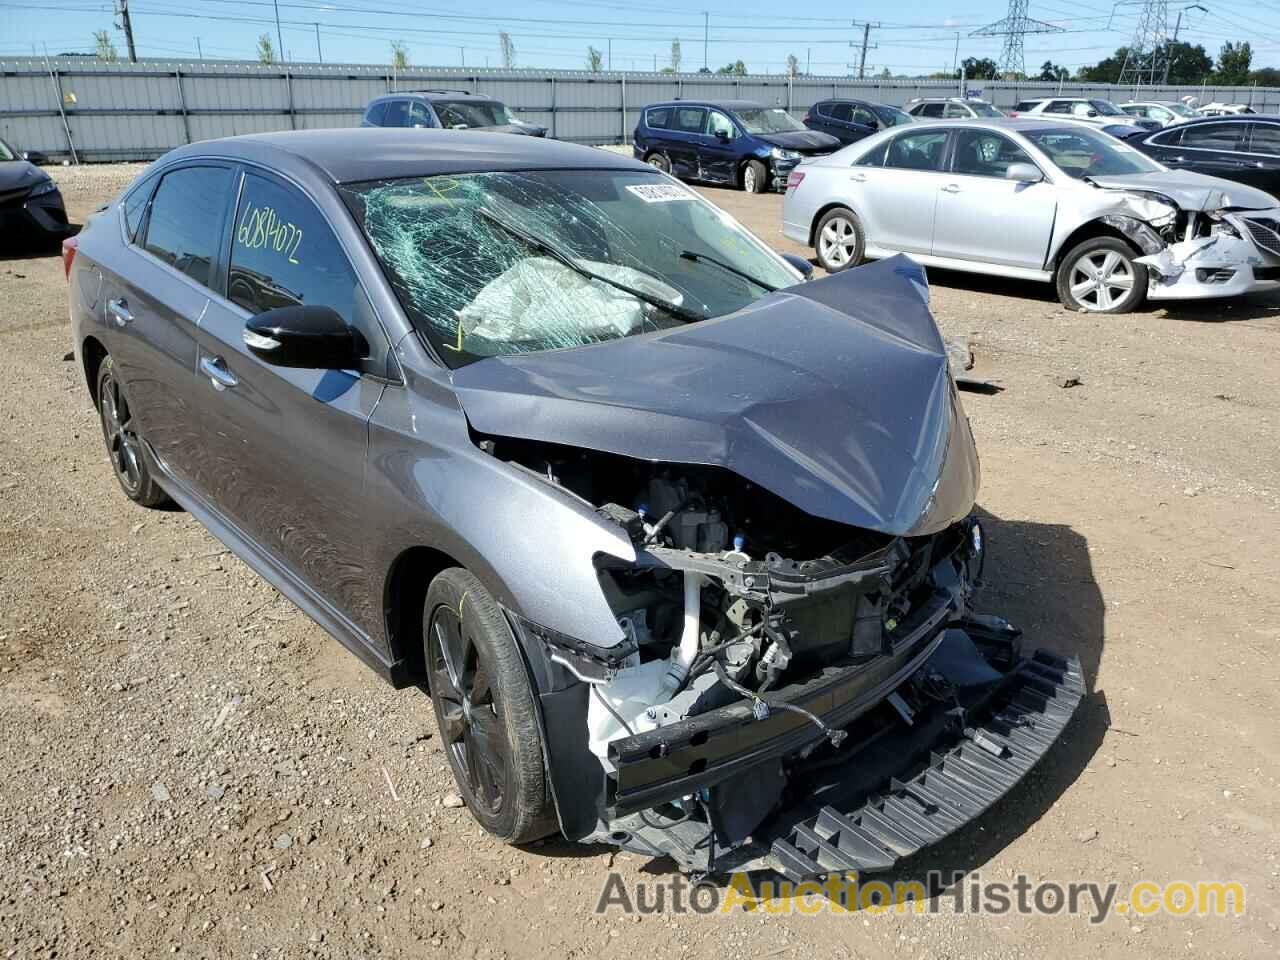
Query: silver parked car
x=1039 y=200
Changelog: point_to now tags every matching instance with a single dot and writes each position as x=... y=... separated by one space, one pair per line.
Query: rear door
x=1216 y=149
x=1264 y=155
x=983 y=217
x=287 y=446
x=685 y=138
x=900 y=197
x=154 y=294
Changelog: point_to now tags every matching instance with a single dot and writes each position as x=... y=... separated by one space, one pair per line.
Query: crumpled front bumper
x=1216 y=266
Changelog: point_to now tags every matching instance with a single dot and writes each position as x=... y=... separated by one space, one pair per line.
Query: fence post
x=288 y=86
x=182 y=102
x=623 y=125
x=55 y=78
x=553 y=108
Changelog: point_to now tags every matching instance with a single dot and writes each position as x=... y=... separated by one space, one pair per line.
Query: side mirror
x=722 y=136
x=1023 y=173
x=800 y=263
x=34 y=156
x=1091 y=113
x=311 y=338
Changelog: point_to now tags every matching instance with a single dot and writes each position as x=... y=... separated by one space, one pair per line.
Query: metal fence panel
x=78 y=106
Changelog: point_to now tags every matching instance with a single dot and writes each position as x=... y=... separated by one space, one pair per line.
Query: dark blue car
x=736 y=142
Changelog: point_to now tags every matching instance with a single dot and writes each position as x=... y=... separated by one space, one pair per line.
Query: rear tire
x=485 y=709
x=124 y=443
x=658 y=162
x=1099 y=275
x=755 y=177
x=839 y=240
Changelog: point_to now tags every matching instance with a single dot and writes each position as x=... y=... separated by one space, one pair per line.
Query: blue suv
x=737 y=142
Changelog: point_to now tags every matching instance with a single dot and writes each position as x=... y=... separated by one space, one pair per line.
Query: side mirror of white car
x=1023 y=173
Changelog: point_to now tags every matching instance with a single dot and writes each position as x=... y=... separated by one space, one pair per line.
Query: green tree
x=399 y=55
x=1266 y=77
x=106 y=49
x=1233 y=64
x=1107 y=70
x=1050 y=71
x=594 y=59
x=736 y=69
x=1188 y=64
x=266 y=49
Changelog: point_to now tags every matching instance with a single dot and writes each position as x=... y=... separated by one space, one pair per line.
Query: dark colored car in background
x=535 y=428
x=736 y=142
x=448 y=110
x=31 y=209
x=1244 y=148
x=851 y=120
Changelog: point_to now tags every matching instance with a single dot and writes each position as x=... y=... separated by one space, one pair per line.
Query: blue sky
x=555 y=33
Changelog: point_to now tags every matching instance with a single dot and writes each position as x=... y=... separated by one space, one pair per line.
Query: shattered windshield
x=1083 y=153
x=488 y=264
x=472 y=113
x=773 y=120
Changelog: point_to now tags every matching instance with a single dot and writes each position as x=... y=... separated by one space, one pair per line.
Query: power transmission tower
x=866 y=35
x=1013 y=28
x=125 y=24
x=1149 y=49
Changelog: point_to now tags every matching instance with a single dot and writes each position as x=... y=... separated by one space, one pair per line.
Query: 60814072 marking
x=261 y=229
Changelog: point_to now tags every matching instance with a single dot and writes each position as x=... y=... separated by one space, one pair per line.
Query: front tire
x=1100 y=275
x=839 y=240
x=124 y=443
x=485 y=709
x=755 y=177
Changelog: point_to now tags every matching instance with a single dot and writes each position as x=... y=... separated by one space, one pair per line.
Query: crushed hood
x=803 y=141
x=1191 y=191
x=833 y=394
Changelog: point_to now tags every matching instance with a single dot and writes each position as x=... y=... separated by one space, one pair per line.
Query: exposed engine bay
x=735 y=593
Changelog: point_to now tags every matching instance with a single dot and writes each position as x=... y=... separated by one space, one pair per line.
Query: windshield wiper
x=537 y=243
x=704 y=258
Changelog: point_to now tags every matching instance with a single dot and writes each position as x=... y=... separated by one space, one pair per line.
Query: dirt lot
x=191 y=767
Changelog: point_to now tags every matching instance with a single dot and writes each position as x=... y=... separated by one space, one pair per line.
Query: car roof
x=355 y=154
x=947 y=100
x=1016 y=124
x=718 y=104
x=435 y=95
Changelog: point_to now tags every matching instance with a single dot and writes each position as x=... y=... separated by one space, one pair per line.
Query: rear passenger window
x=873 y=158
x=1266 y=139
x=184 y=226
x=954 y=110
x=931 y=110
x=377 y=113
x=690 y=119
x=135 y=205
x=397 y=114
x=658 y=119
x=917 y=151
x=1214 y=136
x=841 y=111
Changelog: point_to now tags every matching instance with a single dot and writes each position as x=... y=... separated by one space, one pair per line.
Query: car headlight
x=40 y=189
x=779 y=154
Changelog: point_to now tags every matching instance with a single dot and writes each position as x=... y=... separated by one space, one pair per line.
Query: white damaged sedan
x=1039 y=200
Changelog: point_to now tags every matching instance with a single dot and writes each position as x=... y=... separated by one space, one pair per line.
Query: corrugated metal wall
x=72 y=106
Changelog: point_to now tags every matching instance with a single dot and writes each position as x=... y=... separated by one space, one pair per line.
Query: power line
x=1014 y=27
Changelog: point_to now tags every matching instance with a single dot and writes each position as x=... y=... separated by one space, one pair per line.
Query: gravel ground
x=193 y=768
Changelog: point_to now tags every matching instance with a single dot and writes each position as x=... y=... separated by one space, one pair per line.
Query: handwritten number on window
x=261 y=229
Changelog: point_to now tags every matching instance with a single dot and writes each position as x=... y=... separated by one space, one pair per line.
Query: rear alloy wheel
x=658 y=162
x=1101 y=276
x=485 y=709
x=839 y=240
x=755 y=177
x=124 y=445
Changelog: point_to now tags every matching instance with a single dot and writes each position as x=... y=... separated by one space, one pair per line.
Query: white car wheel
x=839 y=241
x=1101 y=276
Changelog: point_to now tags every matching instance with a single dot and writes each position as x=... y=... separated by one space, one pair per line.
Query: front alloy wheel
x=1101 y=276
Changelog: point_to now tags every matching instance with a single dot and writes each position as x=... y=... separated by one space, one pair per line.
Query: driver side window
x=717 y=122
x=284 y=254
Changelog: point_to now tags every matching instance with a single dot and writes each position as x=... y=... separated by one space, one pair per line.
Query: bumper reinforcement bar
x=957 y=786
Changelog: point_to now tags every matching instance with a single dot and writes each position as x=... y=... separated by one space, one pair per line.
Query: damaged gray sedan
x=1038 y=200
x=682 y=547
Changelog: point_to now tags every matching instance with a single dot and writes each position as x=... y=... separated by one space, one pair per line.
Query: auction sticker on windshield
x=659 y=192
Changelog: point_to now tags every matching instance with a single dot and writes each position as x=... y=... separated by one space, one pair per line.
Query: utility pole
x=706 y=29
x=279 y=35
x=199 y=52
x=808 y=61
x=866 y=35
x=1168 y=58
x=127 y=26
x=319 y=53
x=462 y=55
x=608 y=63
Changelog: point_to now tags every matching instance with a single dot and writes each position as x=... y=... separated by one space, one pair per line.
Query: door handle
x=119 y=310
x=215 y=368
x=858 y=177
x=950 y=188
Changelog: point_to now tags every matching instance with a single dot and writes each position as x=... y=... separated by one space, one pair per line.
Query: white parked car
x=1057 y=202
x=1223 y=110
x=951 y=108
x=1087 y=109
x=1164 y=112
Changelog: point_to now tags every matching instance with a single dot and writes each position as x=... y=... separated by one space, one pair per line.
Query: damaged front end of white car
x=1200 y=237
